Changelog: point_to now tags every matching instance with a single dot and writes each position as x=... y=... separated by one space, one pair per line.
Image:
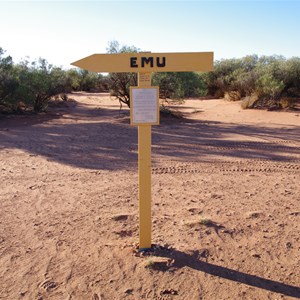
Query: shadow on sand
x=98 y=138
x=181 y=259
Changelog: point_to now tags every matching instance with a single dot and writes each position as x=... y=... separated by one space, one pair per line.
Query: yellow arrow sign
x=147 y=62
x=144 y=64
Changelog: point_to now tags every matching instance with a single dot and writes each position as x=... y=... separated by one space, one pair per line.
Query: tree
x=179 y=85
x=8 y=80
x=73 y=80
x=119 y=83
x=38 y=83
x=291 y=77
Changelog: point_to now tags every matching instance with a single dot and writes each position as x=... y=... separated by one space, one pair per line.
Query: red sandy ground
x=225 y=202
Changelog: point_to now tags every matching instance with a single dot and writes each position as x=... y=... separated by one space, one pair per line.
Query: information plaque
x=144 y=105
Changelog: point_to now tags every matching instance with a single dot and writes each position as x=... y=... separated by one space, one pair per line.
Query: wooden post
x=144 y=166
x=144 y=63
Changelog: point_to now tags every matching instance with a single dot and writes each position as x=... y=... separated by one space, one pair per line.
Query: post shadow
x=181 y=259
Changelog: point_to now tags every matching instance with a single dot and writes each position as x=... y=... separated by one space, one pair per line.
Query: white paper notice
x=144 y=105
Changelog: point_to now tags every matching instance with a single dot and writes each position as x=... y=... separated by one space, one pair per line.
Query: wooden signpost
x=144 y=108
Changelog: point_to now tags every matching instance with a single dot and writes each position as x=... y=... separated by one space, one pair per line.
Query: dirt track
x=226 y=204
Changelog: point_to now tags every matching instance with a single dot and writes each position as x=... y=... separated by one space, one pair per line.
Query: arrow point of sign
x=86 y=63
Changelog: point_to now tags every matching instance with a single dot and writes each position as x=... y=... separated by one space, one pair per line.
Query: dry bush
x=249 y=101
x=232 y=96
x=168 y=112
x=287 y=102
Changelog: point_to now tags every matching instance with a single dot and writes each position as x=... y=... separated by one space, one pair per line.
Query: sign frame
x=133 y=107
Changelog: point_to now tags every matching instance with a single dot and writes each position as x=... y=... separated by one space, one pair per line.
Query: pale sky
x=66 y=31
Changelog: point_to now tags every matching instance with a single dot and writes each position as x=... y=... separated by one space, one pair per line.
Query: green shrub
x=83 y=80
x=119 y=83
x=291 y=77
x=179 y=85
x=8 y=80
x=260 y=81
x=269 y=78
x=38 y=83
